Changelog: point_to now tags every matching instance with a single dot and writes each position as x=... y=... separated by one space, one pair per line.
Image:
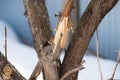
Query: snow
x=24 y=58
x=91 y=71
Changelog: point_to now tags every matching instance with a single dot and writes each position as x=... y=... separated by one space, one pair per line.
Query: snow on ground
x=24 y=58
x=91 y=71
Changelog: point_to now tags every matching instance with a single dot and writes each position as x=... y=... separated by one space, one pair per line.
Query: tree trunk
x=88 y=23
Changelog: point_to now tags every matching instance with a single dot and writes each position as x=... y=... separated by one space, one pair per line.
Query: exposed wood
x=63 y=35
x=38 y=18
x=63 y=30
x=8 y=71
x=37 y=15
x=88 y=23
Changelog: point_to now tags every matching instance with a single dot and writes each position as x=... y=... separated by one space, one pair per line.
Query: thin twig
x=72 y=71
x=98 y=59
x=117 y=62
x=5 y=29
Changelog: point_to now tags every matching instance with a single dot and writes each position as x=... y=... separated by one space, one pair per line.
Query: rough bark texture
x=37 y=15
x=38 y=19
x=89 y=21
x=75 y=14
x=8 y=71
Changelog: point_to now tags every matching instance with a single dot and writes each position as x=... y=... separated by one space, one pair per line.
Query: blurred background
x=11 y=11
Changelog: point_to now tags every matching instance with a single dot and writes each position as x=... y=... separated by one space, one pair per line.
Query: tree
x=48 y=46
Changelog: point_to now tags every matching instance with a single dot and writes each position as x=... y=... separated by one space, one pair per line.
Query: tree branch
x=37 y=15
x=36 y=71
x=88 y=23
x=72 y=71
x=8 y=71
x=63 y=29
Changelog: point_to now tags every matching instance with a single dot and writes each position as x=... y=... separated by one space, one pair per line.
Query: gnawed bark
x=88 y=23
x=8 y=71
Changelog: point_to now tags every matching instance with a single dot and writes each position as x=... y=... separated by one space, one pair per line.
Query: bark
x=75 y=14
x=88 y=23
x=8 y=71
x=67 y=7
x=37 y=15
x=36 y=71
x=38 y=19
